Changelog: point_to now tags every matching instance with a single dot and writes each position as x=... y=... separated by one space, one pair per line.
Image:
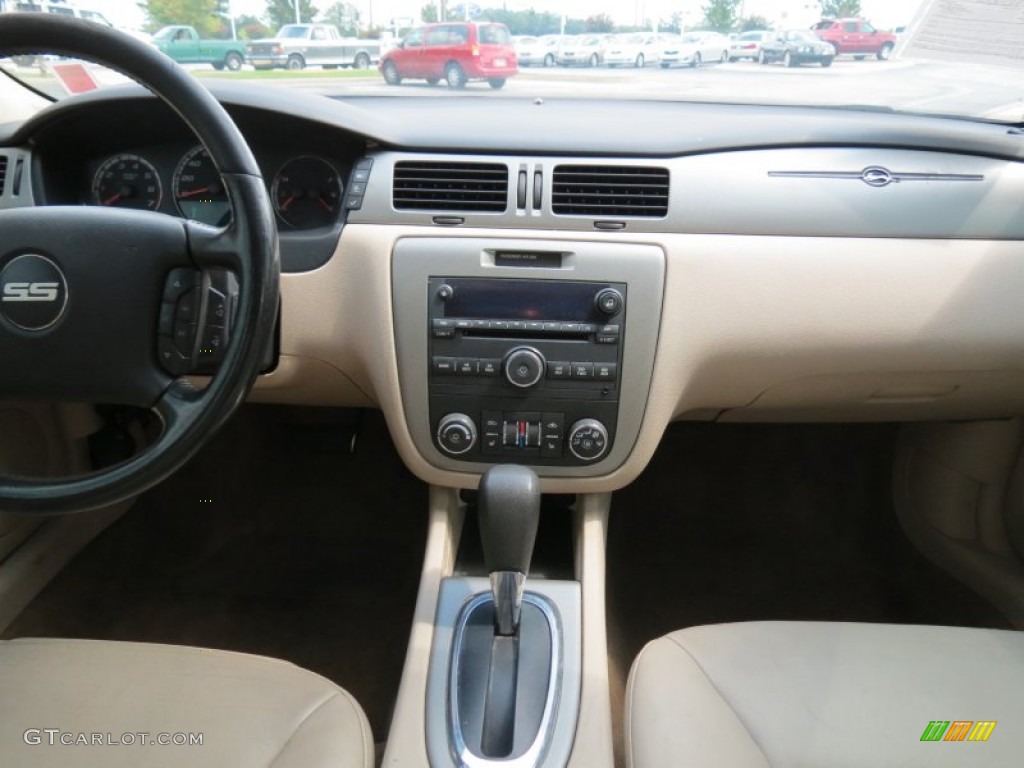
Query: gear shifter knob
x=508 y=513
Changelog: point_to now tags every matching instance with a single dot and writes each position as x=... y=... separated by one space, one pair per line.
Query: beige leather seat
x=249 y=710
x=823 y=694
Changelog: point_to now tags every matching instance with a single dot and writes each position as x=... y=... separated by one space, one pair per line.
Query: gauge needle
x=193 y=193
x=112 y=199
x=327 y=206
x=287 y=203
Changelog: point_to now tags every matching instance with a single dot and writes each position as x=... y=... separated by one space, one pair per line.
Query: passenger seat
x=796 y=694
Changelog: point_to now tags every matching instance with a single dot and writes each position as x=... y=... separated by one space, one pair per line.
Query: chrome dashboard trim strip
x=878 y=176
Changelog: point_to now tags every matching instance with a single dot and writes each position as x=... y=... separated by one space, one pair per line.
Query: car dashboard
x=555 y=282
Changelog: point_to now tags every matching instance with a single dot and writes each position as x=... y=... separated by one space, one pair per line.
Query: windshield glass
x=801 y=35
x=293 y=30
x=919 y=56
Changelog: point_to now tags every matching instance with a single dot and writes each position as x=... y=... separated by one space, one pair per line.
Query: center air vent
x=609 y=190
x=450 y=186
x=3 y=172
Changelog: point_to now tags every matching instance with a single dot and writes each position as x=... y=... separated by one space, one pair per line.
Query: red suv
x=456 y=51
x=855 y=36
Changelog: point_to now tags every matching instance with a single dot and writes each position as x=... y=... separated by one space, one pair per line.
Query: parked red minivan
x=457 y=51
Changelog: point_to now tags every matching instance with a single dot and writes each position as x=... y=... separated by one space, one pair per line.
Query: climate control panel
x=525 y=370
x=523 y=436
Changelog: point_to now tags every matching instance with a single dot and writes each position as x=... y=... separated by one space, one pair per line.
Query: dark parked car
x=455 y=51
x=795 y=47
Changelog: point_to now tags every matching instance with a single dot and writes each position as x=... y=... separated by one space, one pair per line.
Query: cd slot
x=521 y=334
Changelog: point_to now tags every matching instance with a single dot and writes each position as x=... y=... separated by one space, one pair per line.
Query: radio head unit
x=525 y=369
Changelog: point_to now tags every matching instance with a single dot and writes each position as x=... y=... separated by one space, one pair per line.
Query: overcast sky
x=884 y=13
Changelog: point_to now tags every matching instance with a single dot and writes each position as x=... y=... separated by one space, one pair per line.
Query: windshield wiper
x=27 y=86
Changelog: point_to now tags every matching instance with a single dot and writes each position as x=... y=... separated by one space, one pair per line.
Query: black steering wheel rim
x=248 y=245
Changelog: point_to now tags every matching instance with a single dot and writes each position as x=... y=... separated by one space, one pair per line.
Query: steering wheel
x=82 y=311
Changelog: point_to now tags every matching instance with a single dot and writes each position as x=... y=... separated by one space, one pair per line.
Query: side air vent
x=3 y=172
x=609 y=190
x=445 y=186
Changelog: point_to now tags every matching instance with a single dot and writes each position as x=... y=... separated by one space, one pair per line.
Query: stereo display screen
x=522 y=299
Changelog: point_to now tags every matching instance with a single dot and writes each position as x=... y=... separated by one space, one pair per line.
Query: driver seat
x=88 y=703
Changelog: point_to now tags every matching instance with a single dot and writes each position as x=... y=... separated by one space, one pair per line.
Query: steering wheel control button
x=179 y=282
x=609 y=302
x=203 y=308
x=187 y=309
x=456 y=434
x=33 y=292
x=588 y=440
x=170 y=358
x=524 y=367
x=165 y=325
x=185 y=338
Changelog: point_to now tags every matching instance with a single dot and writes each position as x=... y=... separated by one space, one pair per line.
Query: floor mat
x=274 y=540
x=748 y=522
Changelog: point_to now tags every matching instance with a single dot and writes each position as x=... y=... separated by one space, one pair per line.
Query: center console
x=533 y=352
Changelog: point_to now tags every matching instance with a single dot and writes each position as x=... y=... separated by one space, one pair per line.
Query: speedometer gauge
x=307 y=192
x=198 y=189
x=127 y=181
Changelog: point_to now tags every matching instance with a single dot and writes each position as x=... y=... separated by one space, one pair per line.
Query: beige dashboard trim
x=743 y=316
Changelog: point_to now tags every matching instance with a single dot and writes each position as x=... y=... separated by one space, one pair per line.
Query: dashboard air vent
x=3 y=172
x=448 y=186
x=609 y=190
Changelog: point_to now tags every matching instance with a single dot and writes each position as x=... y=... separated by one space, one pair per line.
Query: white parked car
x=747 y=45
x=694 y=49
x=581 y=50
x=635 y=50
x=537 y=51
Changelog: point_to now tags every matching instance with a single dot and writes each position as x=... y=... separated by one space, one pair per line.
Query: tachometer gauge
x=198 y=190
x=127 y=181
x=307 y=192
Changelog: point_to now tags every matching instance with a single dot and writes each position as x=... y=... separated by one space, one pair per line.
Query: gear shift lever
x=508 y=512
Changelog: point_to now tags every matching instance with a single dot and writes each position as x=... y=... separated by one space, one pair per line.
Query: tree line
x=210 y=18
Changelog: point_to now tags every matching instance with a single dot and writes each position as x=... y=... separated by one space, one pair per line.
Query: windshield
x=918 y=56
x=293 y=30
x=799 y=34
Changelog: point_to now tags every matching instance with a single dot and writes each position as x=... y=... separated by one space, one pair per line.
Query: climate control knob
x=456 y=434
x=588 y=440
x=524 y=367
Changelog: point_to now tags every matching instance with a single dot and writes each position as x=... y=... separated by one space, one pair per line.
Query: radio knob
x=456 y=434
x=588 y=440
x=609 y=301
x=524 y=367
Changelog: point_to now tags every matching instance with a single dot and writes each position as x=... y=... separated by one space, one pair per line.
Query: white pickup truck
x=297 y=46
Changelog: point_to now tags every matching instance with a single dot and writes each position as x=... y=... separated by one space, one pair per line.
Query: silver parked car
x=581 y=50
x=694 y=49
x=634 y=50
x=536 y=51
x=747 y=45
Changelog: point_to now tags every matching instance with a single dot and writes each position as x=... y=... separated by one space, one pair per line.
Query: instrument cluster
x=306 y=190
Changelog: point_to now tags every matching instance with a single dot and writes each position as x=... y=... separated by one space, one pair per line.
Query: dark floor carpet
x=749 y=522
x=273 y=540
